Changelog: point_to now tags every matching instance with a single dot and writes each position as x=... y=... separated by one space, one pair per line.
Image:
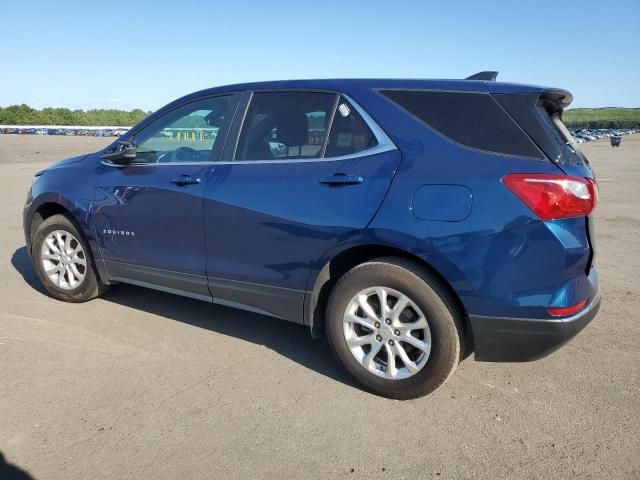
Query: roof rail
x=488 y=76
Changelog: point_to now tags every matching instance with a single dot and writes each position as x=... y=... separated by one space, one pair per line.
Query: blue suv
x=412 y=221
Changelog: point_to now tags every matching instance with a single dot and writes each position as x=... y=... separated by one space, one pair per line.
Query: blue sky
x=127 y=54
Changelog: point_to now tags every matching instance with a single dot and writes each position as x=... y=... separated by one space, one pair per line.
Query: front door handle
x=183 y=180
x=342 y=179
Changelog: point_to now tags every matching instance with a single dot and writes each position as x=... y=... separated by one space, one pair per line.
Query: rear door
x=309 y=171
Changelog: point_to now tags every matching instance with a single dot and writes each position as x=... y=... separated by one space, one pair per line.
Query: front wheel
x=63 y=261
x=394 y=328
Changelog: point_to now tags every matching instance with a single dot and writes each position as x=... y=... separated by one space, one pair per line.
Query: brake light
x=565 y=311
x=552 y=197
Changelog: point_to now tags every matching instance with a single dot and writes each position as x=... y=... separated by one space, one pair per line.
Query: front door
x=148 y=214
x=309 y=171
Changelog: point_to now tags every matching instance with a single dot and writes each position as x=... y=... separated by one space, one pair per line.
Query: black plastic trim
x=500 y=339
x=279 y=302
x=486 y=76
x=188 y=285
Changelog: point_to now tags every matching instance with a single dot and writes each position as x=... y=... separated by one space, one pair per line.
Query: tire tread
x=92 y=286
x=447 y=306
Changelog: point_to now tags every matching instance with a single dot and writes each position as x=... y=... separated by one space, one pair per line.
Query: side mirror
x=123 y=154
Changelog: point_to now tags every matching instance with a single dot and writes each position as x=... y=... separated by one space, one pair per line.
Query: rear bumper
x=500 y=339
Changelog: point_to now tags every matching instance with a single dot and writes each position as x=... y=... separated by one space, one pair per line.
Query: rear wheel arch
x=336 y=267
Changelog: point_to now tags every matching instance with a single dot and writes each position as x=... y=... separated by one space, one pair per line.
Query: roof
x=352 y=86
x=380 y=83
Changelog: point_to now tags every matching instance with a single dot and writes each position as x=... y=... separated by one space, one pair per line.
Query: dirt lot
x=46 y=149
x=145 y=385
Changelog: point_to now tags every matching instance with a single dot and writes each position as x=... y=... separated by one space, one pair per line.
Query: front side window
x=186 y=134
x=285 y=125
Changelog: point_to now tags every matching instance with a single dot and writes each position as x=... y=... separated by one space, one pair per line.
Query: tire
x=84 y=289
x=428 y=300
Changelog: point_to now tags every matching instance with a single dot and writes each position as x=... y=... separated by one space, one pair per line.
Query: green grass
x=612 y=117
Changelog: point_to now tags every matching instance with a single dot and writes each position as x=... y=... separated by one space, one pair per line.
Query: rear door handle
x=183 y=180
x=342 y=179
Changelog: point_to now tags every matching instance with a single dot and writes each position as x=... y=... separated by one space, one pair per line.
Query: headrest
x=293 y=128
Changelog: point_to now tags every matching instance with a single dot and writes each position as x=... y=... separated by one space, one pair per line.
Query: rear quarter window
x=349 y=132
x=472 y=119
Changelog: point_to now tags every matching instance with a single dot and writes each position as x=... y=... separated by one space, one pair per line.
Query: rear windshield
x=472 y=119
x=565 y=144
x=553 y=121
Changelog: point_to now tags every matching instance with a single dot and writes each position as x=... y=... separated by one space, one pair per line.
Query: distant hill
x=611 y=117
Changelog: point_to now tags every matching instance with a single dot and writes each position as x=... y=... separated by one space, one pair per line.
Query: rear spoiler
x=487 y=76
x=555 y=99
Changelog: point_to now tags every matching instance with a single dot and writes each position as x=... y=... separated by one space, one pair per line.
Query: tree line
x=26 y=115
x=602 y=118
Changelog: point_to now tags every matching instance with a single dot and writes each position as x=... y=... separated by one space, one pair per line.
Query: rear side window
x=349 y=132
x=285 y=125
x=471 y=119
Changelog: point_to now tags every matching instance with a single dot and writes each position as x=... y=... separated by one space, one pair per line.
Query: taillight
x=552 y=197
x=566 y=311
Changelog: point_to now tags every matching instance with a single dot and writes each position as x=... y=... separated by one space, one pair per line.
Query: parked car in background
x=411 y=221
x=587 y=135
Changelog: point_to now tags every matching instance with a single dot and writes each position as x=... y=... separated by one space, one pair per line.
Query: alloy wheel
x=387 y=333
x=63 y=259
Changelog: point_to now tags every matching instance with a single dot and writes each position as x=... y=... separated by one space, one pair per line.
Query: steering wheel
x=185 y=154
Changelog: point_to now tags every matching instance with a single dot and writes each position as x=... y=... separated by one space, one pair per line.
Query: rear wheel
x=63 y=261
x=394 y=328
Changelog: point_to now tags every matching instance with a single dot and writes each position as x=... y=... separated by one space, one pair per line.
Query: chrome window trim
x=384 y=142
x=134 y=164
x=365 y=153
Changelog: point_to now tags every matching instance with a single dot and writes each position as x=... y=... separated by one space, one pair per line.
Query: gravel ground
x=146 y=385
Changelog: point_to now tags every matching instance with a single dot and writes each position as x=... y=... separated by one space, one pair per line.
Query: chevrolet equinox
x=411 y=221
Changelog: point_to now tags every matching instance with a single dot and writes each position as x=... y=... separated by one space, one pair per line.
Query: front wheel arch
x=43 y=212
x=49 y=204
